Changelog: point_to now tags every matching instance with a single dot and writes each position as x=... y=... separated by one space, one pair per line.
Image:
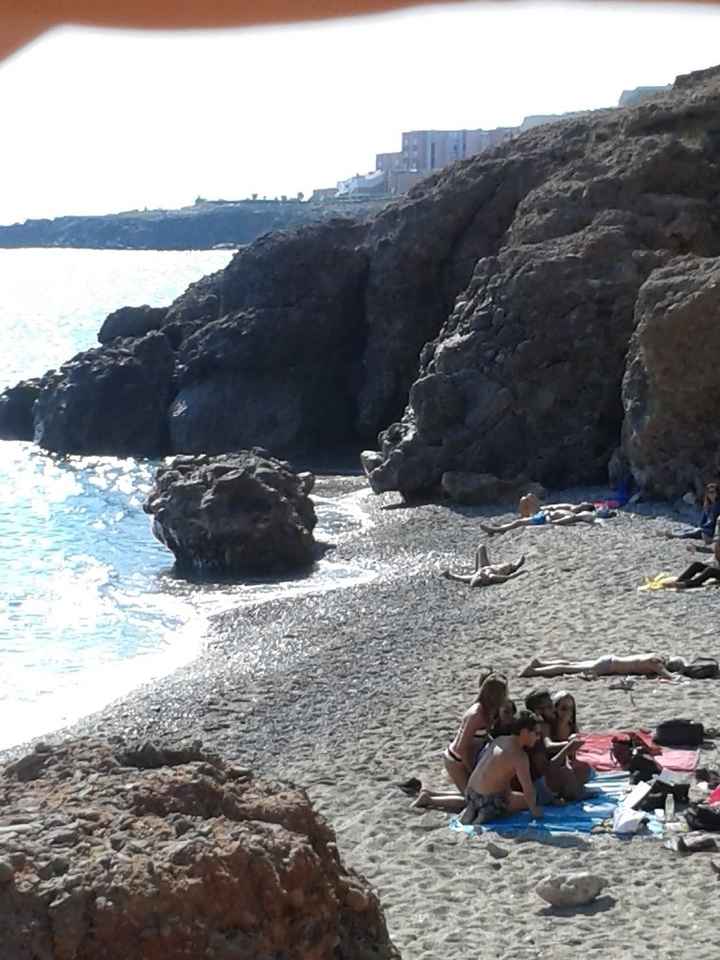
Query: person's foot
x=422 y=800
x=488 y=529
x=520 y=562
x=411 y=786
x=530 y=668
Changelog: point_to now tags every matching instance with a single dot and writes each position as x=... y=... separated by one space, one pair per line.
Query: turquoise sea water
x=89 y=604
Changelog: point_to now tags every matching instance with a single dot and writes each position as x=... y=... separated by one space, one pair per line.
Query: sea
x=90 y=605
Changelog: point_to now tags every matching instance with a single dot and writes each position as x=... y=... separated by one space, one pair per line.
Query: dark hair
x=492 y=693
x=525 y=720
x=535 y=697
x=556 y=698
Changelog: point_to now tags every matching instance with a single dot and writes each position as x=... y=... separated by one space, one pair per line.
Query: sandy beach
x=348 y=692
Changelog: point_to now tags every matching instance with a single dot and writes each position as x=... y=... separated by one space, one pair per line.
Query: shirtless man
x=485 y=572
x=645 y=665
x=489 y=794
x=551 y=760
x=532 y=514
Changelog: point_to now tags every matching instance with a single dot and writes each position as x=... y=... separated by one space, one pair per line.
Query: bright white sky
x=100 y=121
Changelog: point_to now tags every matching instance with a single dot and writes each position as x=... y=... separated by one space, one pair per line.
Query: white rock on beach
x=570 y=889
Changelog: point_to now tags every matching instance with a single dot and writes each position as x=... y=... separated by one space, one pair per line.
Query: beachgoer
x=646 y=664
x=699 y=573
x=708 y=518
x=489 y=793
x=565 y=728
x=459 y=755
x=532 y=514
x=549 y=760
x=485 y=572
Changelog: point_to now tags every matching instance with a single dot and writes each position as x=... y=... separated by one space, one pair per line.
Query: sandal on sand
x=410 y=787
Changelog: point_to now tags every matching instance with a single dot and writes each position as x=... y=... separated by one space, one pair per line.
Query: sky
x=97 y=121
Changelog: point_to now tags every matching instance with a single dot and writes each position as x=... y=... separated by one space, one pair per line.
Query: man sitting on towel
x=489 y=794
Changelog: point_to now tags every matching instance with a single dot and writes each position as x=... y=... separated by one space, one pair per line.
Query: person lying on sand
x=646 y=664
x=708 y=518
x=532 y=514
x=459 y=755
x=699 y=573
x=552 y=758
x=485 y=572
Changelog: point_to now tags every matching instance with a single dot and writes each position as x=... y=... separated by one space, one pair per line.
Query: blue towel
x=607 y=790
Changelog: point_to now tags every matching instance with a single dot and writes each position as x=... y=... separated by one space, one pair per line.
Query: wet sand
x=348 y=692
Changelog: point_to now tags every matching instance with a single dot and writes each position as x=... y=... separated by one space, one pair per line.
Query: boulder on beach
x=111 y=851
x=233 y=514
x=110 y=400
x=486 y=488
x=670 y=437
x=572 y=889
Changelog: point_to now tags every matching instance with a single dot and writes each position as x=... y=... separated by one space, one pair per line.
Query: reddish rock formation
x=109 y=853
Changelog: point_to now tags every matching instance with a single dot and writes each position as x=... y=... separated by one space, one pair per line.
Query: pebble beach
x=350 y=691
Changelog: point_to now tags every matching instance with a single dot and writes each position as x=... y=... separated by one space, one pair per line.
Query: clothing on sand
x=596 y=748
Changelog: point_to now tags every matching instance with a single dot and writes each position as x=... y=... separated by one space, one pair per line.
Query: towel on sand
x=661 y=581
x=606 y=792
x=596 y=752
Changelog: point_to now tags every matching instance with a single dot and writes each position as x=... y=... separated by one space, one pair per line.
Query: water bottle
x=669 y=808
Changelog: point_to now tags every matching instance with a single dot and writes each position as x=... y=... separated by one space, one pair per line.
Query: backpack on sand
x=702 y=668
x=679 y=733
x=703 y=816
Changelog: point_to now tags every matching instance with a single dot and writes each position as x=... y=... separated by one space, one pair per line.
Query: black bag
x=679 y=733
x=702 y=668
x=642 y=766
x=661 y=787
x=703 y=816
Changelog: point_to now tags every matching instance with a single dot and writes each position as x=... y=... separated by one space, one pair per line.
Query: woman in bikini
x=459 y=755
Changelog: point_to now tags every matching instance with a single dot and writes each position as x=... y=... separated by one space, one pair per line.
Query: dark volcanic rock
x=16 y=410
x=281 y=365
x=525 y=376
x=233 y=514
x=110 y=400
x=147 y=853
x=131 y=322
x=670 y=432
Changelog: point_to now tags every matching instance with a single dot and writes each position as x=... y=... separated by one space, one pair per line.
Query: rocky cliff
x=481 y=324
x=203 y=226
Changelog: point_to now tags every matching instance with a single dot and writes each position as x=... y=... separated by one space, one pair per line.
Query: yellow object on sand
x=660 y=581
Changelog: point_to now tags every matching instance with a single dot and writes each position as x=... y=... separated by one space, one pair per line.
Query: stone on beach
x=183 y=858
x=570 y=889
x=233 y=514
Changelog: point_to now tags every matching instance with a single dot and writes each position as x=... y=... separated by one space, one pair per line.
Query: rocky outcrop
x=111 y=851
x=277 y=368
x=670 y=436
x=479 y=325
x=485 y=488
x=235 y=514
x=16 y=410
x=110 y=400
x=131 y=322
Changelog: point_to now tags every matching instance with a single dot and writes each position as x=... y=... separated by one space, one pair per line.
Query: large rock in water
x=280 y=365
x=112 y=852
x=670 y=432
x=16 y=410
x=131 y=322
x=110 y=400
x=234 y=514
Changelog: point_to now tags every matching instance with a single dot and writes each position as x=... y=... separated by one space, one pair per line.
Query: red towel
x=596 y=752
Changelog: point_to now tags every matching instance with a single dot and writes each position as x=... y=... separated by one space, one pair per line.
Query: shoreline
x=347 y=692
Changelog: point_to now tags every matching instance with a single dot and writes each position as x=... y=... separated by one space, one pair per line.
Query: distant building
x=630 y=98
x=363 y=185
x=323 y=194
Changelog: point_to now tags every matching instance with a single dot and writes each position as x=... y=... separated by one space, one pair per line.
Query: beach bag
x=642 y=766
x=622 y=747
x=661 y=787
x=679 y=733
x=703 y=816
x=702 y=668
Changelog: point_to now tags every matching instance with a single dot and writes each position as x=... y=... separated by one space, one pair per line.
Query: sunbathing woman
x=532 y=514
x=485 y=572
x=647 y=664
x=459 y=756
x=450 y=800
x=565 y=728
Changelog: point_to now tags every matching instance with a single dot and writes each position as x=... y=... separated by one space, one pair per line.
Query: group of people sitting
x=503 y=760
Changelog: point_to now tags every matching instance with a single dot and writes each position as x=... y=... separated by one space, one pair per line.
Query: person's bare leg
x=516 y=801
x=504 y=527
x=457 y=773
x=449 y=802
x=482 y=558
x=557 y=668
x=461 y=577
